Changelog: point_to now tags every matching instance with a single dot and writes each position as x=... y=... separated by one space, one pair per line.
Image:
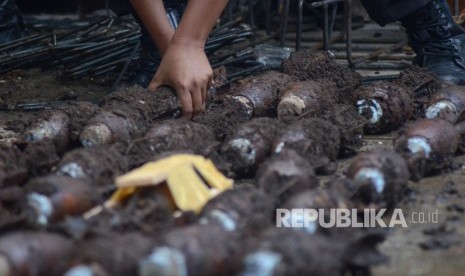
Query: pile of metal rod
x=91 y=50
x=109 y=45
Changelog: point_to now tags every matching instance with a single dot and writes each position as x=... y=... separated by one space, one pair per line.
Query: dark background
x=60 y=6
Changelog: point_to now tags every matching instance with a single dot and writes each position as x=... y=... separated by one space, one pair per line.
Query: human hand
x=185 y=67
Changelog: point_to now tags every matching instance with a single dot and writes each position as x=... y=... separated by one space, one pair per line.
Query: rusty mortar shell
x=53 y=126
x=383 y=171
x=7 y=137
x=315 y=199
x=306 y=97
x=250 y=144
x=106 y=128
x=110 y=253
x=284 y=175
x=386 y=106
x=193 y=250
x=261 y=92
x=55 y=197
x=244 y=209
x=245 y=103
x=98 y=165
x=34 y=253
x=86 y=270
x=428 y=137
x=448 y=100
x=315 y=139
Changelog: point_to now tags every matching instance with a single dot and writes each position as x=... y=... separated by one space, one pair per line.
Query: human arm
x=185 y=66
x=153 y=15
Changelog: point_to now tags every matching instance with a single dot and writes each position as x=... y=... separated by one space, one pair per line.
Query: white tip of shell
x=80 y=270
x=94 y=135
x=245 y=149
x=72 y=170
x=224 y=219
x=42 y=205
x=419 y=144
x=433 y=110
x=261 y=263
x=164 y=261
x=245 y=102
x=375 y=176
x=376 y=111
x=293 y=101
x=5 y=269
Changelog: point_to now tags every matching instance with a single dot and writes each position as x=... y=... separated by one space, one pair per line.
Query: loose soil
x=430 y=248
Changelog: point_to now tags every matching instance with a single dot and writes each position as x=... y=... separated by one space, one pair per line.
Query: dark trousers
x=387 y=11
x=174 y=9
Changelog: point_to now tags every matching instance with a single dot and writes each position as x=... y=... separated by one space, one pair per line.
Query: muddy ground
x=420 y=249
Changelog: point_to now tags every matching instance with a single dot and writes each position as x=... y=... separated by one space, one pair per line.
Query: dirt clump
x=7 y=136
x=149 y=106
x=284 y=175
x=306 y=65
x=204 y=250
x=250 y=144
x=170 y=136
x=110 y=253
x=34 y=253
x=310 y=98
x=440 y=237
x=148 y=211
x=223 y=116
x=416 y=78
x=316 y=140
x=421 y=85
x=99 y=165
x=287 y=252
x=351 y=127
x=128 y=113
x=40 y=156
x=245 y=210
x=13 y=167
x=316 y=199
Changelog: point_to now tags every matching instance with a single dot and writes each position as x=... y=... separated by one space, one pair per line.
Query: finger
x=186 y=101
x=154 y=84
x=204 y=97
x=197 y=99
x=209 y=86
x=204 y=93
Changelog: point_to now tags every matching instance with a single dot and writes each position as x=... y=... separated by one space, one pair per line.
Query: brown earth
x=429 y=248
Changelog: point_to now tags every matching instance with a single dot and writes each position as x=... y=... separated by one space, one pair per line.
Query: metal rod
x=125 y=67
x=324 y=3
x=251 y=13
x=325 y=28
x=245 y=72
x=332 y=20
x=268 y=16
x=284 y=22
x=385 y=50
x=348 y=32
x=298 y=40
